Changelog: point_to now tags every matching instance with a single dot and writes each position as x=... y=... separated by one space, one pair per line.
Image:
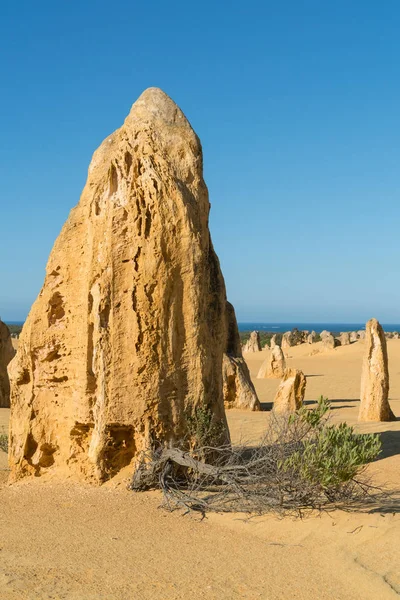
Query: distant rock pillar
x=7 y=352
x=374 y=404
x=253 y=344
x=291 y=391
x=238 y=389
x=274 y=365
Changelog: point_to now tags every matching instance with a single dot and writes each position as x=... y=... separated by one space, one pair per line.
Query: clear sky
x=297 y=104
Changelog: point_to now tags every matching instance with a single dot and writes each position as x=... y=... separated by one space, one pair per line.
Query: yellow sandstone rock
x=238 y=388
x=274 y=365
x=290 y=394
x=374 y=404
x=127 y=335
x=253 y=344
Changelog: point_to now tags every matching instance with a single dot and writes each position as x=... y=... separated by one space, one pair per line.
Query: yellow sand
x=76 y=542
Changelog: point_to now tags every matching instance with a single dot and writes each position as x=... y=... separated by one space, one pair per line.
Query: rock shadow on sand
x=390 y=443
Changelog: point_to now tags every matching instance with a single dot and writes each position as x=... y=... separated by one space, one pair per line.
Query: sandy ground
x=64 y=541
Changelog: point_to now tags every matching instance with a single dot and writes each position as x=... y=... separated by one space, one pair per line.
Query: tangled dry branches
x=300 y=463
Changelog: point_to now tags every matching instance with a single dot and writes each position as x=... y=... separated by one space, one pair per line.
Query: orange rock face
x=127 y=335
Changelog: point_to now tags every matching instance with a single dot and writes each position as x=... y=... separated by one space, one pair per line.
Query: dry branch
x=278 y=474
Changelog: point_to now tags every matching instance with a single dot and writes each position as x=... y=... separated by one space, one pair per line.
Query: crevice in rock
x=147 y=225
x=113 y=180
x=139 y=321
x=136 y=258
x=90 y=378
x=139 y=226
x=128 y=161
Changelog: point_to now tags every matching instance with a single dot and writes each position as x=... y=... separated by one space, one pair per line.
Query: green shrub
x=331 y=456
x=203 y=430
x=301 y=463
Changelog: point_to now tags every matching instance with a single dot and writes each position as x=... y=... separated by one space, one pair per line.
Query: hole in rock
x=46 y=455
x=55 y=310
x=52 y=355
x=30 y=446
x=120 y=448
x=24 y=377
x=59 y=379
x=105 y=315
x=80 y=436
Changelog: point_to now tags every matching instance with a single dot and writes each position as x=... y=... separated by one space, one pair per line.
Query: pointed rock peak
x=156 y=104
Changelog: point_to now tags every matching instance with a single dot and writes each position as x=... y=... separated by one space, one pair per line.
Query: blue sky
x=297 y=106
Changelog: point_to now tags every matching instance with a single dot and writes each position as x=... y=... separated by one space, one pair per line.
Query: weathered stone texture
x=127 y=335
x=274 y=365
x=374 y=404
x=290 y=394
x=253 y=344
x=312 y=338
x=238 y=389
x=329 y=342
x=344 y=338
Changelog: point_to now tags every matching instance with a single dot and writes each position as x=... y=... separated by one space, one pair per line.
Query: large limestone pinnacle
x=127 y=335
x=374 y=403
x=6 y=354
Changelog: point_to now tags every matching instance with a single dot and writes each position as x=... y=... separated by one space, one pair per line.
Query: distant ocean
x=318 y=327
x=282 y=327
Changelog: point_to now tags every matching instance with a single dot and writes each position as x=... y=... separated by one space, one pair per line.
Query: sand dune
x=75 y=542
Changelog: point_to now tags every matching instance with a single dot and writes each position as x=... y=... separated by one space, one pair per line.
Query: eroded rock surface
x=274 y=365
x=374 y=404
x=253 y=344
x=344 y=338
x=312 y=337
x=329 y=342
x=293 y=338
x=290 y=394
x=7 y=352
x=238 y=389
x=127 y=335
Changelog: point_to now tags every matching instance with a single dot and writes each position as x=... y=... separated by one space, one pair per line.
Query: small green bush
x=301 y=463
x=333 y=455
x=202 y=428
